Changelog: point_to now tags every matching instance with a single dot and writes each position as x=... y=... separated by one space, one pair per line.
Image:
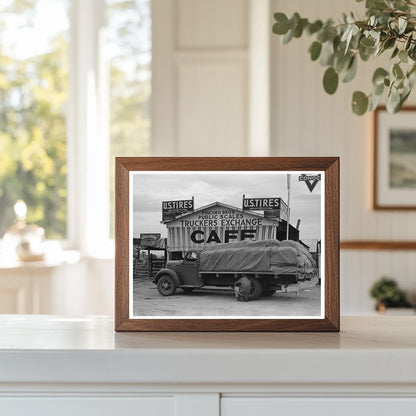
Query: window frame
x=88 y=133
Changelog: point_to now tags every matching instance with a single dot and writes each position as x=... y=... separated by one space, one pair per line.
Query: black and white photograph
x=227 y=244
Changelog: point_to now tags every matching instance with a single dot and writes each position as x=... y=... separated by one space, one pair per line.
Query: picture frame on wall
x=394 y=165
x=227 y=244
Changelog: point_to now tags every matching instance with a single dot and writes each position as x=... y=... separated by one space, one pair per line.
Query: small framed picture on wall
x=394 y=150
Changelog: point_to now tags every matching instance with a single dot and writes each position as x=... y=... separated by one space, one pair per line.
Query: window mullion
x=88 y=134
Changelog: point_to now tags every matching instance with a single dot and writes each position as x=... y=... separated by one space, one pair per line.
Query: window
x=33 y=99
x=75 y=87
x=129 y=44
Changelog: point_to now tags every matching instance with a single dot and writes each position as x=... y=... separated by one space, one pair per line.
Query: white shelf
x=48 y=349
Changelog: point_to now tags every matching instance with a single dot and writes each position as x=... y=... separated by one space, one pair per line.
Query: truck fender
x=169 y=272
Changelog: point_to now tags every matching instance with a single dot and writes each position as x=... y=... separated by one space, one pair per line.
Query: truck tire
x=166 y=285
x=256 y=288
x=269 y=292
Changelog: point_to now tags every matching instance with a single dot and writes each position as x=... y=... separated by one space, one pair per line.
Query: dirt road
x=221 y=302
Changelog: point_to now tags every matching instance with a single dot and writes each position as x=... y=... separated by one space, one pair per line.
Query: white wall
x=308 y=122
x=225 y=86
x=200 y=77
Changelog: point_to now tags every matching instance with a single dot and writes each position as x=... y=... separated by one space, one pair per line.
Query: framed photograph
x=227 y=244
x=394 y=179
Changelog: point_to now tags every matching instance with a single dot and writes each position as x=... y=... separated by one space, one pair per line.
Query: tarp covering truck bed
x=266 y=256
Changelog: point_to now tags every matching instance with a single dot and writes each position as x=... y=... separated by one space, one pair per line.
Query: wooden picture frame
x=394 y=184
x=139 y=172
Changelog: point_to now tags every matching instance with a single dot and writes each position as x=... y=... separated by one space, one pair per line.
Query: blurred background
x=83 y=81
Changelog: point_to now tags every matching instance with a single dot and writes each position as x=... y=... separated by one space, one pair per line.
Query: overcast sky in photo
x=150 y=189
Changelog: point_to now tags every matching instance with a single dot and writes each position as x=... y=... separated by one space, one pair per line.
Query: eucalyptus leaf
x=400 y=5
x=298 y=30
x=376 y=4
x=393 y=101
x=327 y=54
x=314 y=27
x=411 y=78
x=374 y=102
x=315 y=50
x=397 y=71
x=367 y=42
x=389 y=43
x=366 y=53
x=378 y=89
x=294 y=20
x=379 y=75
x=281 y=26
x=359 y=103
x=403 y=56
x=350 y=73
x=288 y=37
x=408 y=42
x=402 y=22
x=395 y=52
x=404 y=95
x=341 y=62
x=330 y=80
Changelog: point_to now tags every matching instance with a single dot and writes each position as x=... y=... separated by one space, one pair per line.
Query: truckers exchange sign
x=218 y=224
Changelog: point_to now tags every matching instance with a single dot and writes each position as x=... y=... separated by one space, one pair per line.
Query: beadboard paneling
x=204 y=109
x=212 y=24
x=305 y=121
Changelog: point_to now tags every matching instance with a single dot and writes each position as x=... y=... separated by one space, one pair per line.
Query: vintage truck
x=271 y=265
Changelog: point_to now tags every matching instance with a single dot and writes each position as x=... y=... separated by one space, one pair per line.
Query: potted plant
x=387 y=294
x=389 y=27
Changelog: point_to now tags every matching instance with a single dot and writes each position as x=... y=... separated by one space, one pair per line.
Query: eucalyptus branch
x=388 y=25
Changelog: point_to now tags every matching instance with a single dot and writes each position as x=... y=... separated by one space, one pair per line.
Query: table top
x=63 y=349
x=53 y=332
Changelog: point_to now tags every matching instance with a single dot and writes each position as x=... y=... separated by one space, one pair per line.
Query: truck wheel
x=256 y=288
x=269 y=292
x=166 y=285
x=188 y=289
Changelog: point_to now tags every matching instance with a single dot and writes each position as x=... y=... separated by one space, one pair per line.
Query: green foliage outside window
x=129 y=43
x=33 y=99
x=34 y=104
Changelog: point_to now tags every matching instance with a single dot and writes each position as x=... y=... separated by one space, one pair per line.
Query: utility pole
x=288 y=206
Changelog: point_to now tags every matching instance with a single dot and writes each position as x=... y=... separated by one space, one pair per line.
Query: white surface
x=59 y=287
x=266 y=406
x=54 y=365
x=47 y=349
x=87 y=406
x=200 y=77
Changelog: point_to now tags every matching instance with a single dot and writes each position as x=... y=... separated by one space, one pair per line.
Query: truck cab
x=180 y=273
x=188 y=269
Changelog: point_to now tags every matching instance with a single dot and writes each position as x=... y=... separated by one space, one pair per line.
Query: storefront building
x=222 y=223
